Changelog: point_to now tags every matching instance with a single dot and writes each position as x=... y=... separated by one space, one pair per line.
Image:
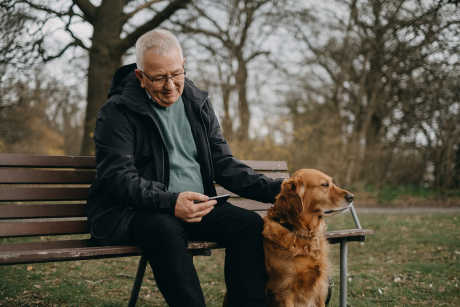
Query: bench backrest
x=46 y=195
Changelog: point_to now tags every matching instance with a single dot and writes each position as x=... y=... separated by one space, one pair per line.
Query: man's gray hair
x=161 y=41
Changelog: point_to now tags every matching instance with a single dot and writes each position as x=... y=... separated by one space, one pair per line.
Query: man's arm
x=116 y=171
x=233 y=174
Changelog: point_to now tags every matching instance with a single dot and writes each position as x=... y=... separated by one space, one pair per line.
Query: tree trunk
x=100 y=72
x=104 y=59
x=243 y=107
x=227 y=123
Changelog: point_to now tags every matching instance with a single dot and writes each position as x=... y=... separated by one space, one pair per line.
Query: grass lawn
x=412 y=260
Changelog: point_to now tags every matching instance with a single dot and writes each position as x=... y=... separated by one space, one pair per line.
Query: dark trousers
x=164 y=238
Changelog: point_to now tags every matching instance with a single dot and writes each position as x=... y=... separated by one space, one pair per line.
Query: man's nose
x=169 y=83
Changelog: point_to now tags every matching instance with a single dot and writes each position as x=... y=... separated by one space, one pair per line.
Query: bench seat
x=85 y=249
x=43 y=198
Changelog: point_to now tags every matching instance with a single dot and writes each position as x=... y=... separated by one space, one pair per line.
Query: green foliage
x=410 y=193
x=389 y=193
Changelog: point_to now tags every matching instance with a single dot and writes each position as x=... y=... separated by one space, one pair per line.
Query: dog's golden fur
x=296 y=250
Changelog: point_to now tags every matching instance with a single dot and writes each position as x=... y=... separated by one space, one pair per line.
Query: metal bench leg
x=138 y=281
x=343 y=273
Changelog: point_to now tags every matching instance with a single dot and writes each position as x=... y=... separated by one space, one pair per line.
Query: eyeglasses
x=161 y=80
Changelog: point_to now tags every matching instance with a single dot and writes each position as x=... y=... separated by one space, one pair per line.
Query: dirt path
x=413 y=210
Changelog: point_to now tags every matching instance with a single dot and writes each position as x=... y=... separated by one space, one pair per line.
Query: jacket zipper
x=207 y=139
x=165 y=152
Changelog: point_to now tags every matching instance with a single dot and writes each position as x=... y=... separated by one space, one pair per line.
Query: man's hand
x=191 y=212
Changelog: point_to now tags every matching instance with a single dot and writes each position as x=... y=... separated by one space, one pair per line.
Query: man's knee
x=158 y=228
x=253 y=222
x=246 y=228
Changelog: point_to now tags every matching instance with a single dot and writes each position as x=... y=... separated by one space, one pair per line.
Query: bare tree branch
x=138 y=9
x=211 y=20
x=188 y=29
x=57 y=55
x=44 y=8
x=255 y=54
x=87 y=8
x=163 y=15
x=51 y=11
x=249 y=10
x=78 y=41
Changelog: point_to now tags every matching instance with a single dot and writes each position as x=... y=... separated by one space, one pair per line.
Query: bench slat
x=273 y=174
x=349 y=234
x=30 y=175
x=37 y=228
x=47 y=251
x=44 y=245
x=249 y=204
x=64 y=250
x=81 y=243
x=267 y=165
x=41 y=211
x=18 y=211
x=66 y=254
x=15 y=193
x=28 y=160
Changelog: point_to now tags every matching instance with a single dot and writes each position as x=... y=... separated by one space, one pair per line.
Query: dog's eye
x=326 y=184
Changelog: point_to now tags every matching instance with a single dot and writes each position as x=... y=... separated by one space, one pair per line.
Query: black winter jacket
x=132 y=172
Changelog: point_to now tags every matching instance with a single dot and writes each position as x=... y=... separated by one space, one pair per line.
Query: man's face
x=163 y=76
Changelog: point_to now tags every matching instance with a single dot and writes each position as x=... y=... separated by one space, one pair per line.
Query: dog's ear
x=288 y=204
x=288 y=185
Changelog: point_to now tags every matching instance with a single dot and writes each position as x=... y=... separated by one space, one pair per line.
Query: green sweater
x=184 y=169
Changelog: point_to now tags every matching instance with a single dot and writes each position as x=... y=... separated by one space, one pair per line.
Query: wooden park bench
x=45 y=196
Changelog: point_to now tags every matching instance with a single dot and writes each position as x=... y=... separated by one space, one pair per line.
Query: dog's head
x=308 y=193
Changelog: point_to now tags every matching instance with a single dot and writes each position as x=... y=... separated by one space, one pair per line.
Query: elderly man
x=159 y=148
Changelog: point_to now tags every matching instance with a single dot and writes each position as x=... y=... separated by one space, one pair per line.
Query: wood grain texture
x=65 y=250
x=31 y=175
x=28 y=160
x=16 y=193
x=19 y=211
x=23 y=228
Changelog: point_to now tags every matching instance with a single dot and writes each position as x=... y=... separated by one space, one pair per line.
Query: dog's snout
x=349 y=197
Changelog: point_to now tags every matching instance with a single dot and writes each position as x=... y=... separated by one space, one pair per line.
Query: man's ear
x=140 y=77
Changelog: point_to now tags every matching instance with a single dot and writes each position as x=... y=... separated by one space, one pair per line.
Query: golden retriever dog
x=296 y=249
